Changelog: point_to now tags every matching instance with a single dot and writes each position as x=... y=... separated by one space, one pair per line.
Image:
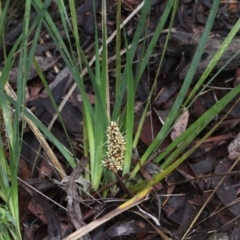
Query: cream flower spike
x=115 y=148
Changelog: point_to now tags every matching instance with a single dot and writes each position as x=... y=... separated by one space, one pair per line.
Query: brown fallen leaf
x=180 y=125
x=234 y=148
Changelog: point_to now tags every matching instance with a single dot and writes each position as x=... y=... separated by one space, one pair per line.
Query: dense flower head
x=115 y=148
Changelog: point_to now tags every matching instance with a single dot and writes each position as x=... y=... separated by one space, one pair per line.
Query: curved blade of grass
x=214 y=60
x=214 y=76
x=46 y=132
x=8 y=167
x=118 y=49
x=132 y=51
x=177 y=104
x=9 y=60
x=144 y=61
x=15 y=148
x=55 y=35
x=72 y=65
x=9 y=63
x=154 y=40
x=8 y=174
x=139 y=129
x=11 y=188
x=204 y=120
x=129 y=124
x=40 y=74
x=3 y=14
x=167 y=168
x=75 y=31
x=188 y=136
x=102 y=108
x=61 y=6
